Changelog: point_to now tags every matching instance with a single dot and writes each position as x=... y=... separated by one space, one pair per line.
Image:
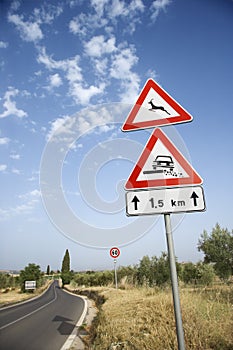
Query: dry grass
x=143 y=319
x=8 y=297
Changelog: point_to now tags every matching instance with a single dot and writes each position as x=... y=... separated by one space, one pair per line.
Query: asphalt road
x=41 y=324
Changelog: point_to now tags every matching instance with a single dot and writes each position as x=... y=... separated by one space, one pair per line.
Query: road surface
x=41 y=324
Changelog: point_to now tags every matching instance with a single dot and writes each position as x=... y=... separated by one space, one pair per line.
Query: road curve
x=40 y=324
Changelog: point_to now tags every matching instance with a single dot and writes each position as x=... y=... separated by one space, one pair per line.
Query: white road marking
x=72 y=336
x=31 y=313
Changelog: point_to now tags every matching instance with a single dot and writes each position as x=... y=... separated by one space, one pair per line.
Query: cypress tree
x=65 y=270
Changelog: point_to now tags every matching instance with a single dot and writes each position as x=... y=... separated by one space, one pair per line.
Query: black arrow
x=194 y=196
x=135 y=200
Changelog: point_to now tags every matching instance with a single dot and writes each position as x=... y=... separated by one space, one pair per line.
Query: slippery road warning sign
x=155 y=107
x=161 y=165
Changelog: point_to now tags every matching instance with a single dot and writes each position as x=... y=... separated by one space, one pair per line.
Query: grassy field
x=143 y=319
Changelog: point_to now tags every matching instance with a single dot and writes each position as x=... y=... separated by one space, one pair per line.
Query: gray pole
x=174 y=280
x=115 y=272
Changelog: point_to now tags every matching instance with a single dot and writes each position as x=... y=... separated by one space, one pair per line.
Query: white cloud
x=29 y=31
x=4 y=140
x=73 y=70
x=121 y=69
x=73 y=3
x=158 y=6
x=86 y=24
x=10 y=106
x=101 y=66
x=15 y=156
x=99 y=6
x=118 y=8
x=106 y=13
x=97 y=46
x=55 y=80
x=62 y=126
x=35 y=193
x=130 y=89
x=38 y=73
x=73 y=73
x=3 y=45
x=106 y=128
x=65 y=130
x=31 y=195
x=76 y=27
x=122 y=63
x=83 y=94
x=70 y=66
x=151 y=73
x=15 y=5
x=109 y=61
x=137 y=5
x=47 y=13
x=48 y=61
x=134 y=8
x=31 y=199
x=34 y=177
x=16 y=171
x=3 y=167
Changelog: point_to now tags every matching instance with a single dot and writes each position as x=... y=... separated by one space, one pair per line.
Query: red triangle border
x=192 y=179
x=183 y=115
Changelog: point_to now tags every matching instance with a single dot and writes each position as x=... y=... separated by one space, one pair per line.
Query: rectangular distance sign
x=166 y=200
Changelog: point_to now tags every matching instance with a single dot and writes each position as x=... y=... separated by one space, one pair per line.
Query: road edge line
x=26 y=300
x=68 y=343
x=30 y=313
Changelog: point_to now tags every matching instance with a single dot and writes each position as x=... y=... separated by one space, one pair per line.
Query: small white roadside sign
x=30 y=285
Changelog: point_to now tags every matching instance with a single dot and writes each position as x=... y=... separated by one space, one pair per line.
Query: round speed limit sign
x=114 y=252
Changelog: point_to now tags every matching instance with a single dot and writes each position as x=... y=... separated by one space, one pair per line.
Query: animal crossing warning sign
x=161 y=165
x=155 y=107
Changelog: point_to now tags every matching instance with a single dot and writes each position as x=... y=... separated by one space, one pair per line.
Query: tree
x=144 y=275
x=154 y=271
x=189 y=273
x=218 y=249
x=31 y=272
x=48 y=270
x=160 y=270
x=7 y=280
x=65 y=270
x=205 y=273
x=127 y=272
x=3 y=280
x=66 y=262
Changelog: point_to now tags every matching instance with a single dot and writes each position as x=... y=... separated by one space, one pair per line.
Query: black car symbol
x=163 y=162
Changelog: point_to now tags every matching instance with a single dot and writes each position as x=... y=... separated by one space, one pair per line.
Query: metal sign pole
x=115 y=272
x=174 y=280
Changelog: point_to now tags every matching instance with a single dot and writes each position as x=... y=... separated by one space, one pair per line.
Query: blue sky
x=70 y=72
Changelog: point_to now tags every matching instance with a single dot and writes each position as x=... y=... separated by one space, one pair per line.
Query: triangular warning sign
x=161 y=165
x=154 y=107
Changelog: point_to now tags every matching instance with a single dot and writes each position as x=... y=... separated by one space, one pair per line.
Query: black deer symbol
x=154 y=107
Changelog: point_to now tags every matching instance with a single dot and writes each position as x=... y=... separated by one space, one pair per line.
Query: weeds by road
x=143 y=319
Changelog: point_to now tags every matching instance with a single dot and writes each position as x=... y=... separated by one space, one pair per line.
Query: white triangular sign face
x=154 y=107
x=161 y=165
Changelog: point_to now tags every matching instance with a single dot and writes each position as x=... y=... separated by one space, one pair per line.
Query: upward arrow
x=194 y=196
x=135 y=200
